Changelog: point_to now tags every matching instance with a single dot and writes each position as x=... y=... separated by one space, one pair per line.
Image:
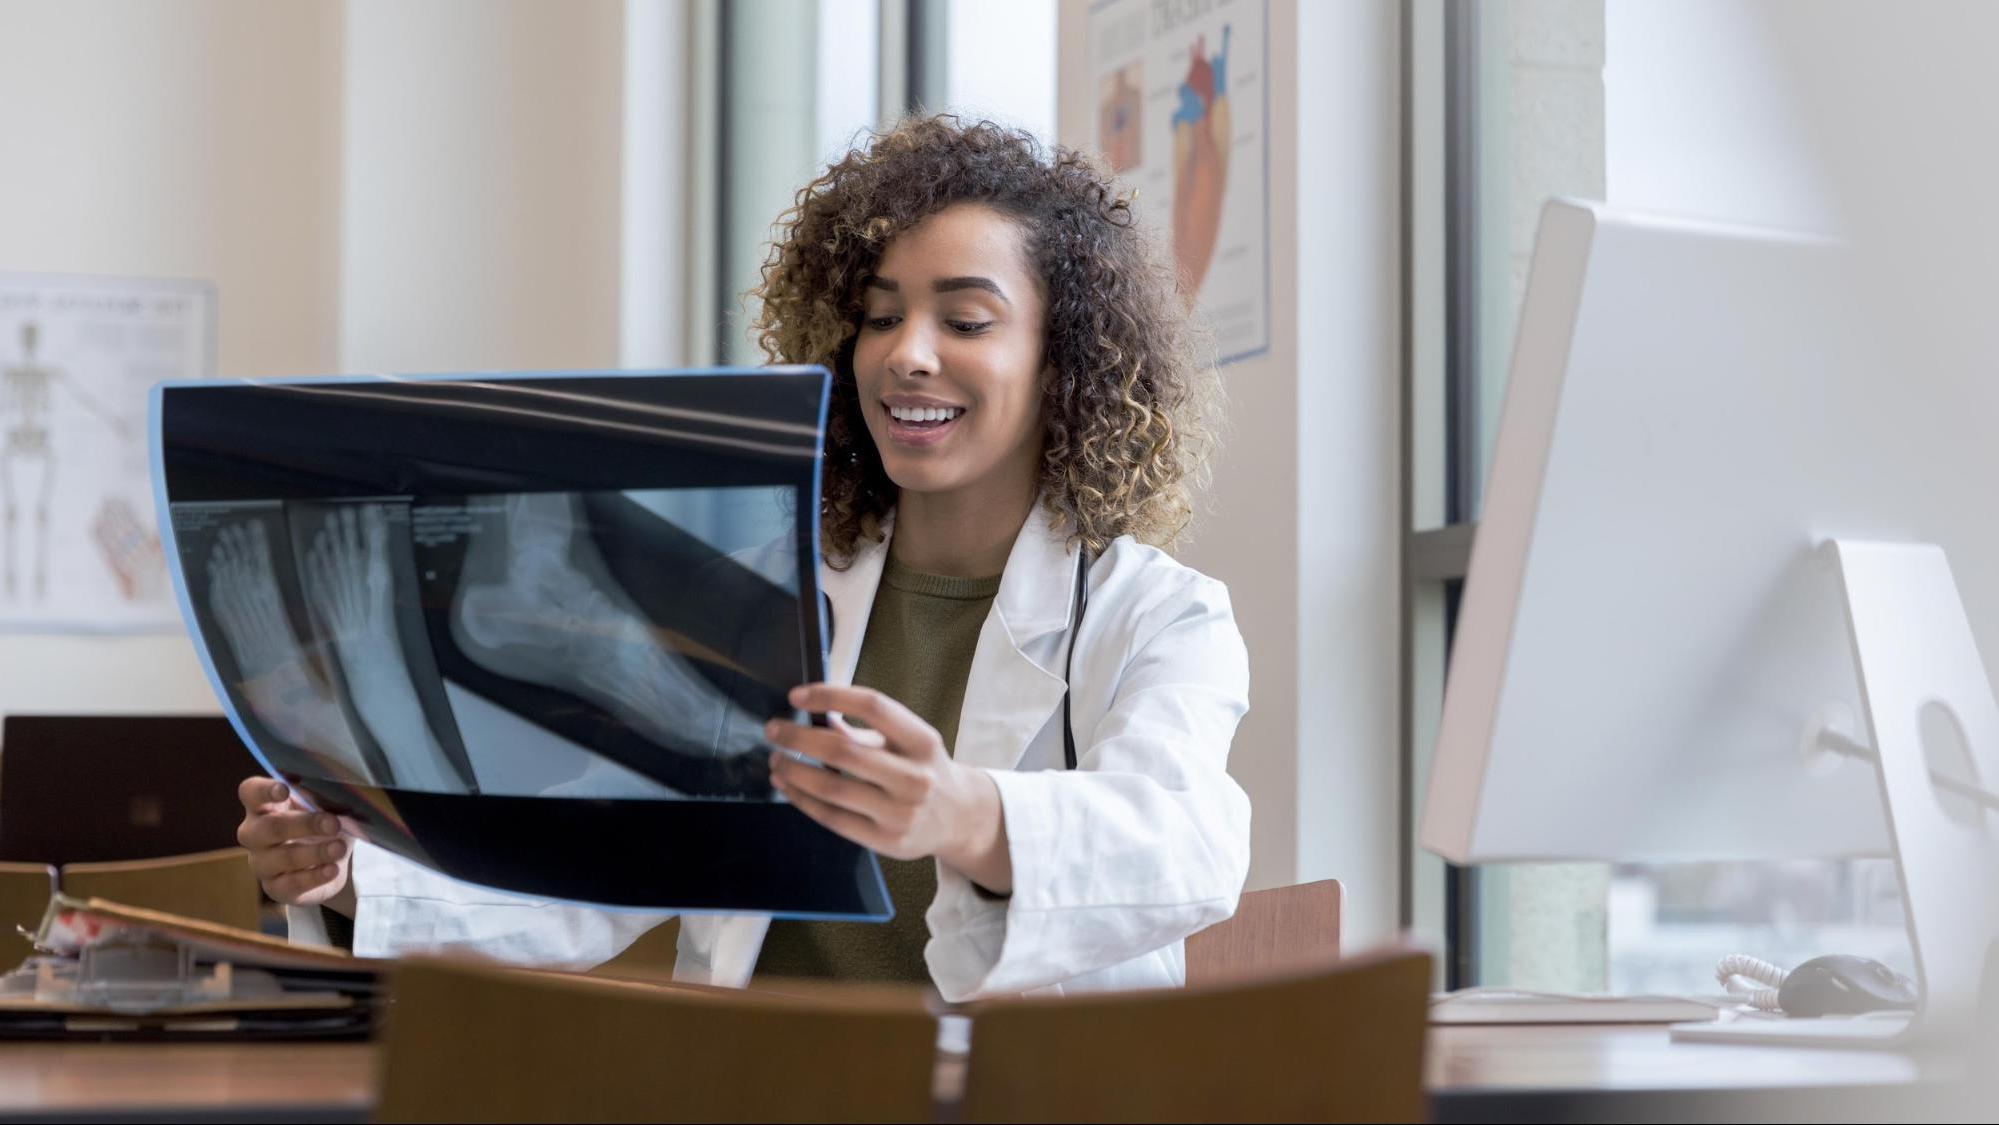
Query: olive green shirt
x=918 y=650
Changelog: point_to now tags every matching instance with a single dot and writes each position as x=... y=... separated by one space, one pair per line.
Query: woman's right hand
x=298 y=855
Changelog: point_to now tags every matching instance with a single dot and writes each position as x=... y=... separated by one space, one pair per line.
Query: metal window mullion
x=1461 y=256
x=1462 y=55
x=707 y=74
x=1427 y=557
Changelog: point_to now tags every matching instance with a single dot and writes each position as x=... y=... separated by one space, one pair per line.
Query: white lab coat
x=1114 y=863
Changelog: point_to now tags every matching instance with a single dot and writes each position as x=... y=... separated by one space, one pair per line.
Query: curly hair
x=1129 y=411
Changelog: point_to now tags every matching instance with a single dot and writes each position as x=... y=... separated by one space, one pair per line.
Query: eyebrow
x=941 y=285
x=948 y=284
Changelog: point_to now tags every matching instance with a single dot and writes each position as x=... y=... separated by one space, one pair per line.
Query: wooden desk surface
x=1474 y=1073
x=1639 y=1056
x=1634 y=1072
x=245 y=1081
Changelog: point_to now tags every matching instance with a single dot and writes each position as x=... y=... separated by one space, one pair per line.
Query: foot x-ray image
x=532 y=616
x=515 y=628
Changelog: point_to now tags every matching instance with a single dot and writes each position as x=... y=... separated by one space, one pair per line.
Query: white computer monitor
x=1656 y=624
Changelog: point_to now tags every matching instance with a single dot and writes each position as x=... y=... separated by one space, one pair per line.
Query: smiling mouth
x=924 y=417
x=921 y=427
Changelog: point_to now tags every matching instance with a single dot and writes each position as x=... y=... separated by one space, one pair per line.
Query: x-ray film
x=524 y=630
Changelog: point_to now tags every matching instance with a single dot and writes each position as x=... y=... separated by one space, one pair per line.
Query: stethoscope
x=1069 y=659
x=1081 y=602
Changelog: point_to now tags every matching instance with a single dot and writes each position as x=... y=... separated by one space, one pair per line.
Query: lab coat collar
x=851 y=595
x=1036 y=595
x=1016 y=685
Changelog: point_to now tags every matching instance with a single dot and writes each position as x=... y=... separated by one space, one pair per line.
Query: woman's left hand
x=897 y=792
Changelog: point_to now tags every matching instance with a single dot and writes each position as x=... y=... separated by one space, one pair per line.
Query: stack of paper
x=112 y=971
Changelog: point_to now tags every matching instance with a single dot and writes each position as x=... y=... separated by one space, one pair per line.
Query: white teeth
x=924 y=413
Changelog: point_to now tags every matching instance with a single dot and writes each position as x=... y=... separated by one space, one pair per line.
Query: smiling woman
x=948 y=375
x=1012 y=371
x=1030 y=704
x=1127 y=410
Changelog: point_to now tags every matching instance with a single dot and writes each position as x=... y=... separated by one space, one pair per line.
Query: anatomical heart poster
x=1182 y=116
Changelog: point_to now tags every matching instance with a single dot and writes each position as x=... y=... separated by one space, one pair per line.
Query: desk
x=1595 y=1073
x=187 y=1082
x=1628 y=1072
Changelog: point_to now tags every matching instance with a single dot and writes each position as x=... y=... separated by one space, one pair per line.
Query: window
x=1506 y=106
x=793 y=84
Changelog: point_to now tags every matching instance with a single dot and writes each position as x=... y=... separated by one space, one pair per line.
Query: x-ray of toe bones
x=540 y=605
x=280 y=684
x=349 y=598
x=350 y=591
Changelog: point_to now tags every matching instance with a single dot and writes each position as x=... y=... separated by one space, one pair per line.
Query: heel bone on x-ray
x=545 y=609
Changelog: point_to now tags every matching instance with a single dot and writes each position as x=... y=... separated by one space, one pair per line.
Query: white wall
x=1700 y=118
x=1002 y=62
x=1348 y=560
x=371 y=185
x=848 y=79
x=1302 y=521
x=197 y=139
x=481 y=184
x=656 y=252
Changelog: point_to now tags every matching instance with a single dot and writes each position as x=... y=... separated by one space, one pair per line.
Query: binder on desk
x=110 y=971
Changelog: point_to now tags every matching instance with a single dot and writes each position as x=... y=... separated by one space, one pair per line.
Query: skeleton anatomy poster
x=1182 y=116
x=78 y=355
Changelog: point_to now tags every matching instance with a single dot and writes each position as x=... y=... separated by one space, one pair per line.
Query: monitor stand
x=1935 y=732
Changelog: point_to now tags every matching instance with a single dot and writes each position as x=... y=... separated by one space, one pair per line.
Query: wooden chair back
x=1343 y=1042
x=24 y=896
x=1271 y=930
x=472 y=1042
x=217 y=886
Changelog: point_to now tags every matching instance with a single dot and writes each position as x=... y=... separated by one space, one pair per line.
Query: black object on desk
x=1842 y=984
x=91 y=788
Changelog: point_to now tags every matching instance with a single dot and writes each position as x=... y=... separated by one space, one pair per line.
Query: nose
x=912 y=351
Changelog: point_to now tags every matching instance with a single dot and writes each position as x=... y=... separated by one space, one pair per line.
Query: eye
x=969 y=327
x=881 y=323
